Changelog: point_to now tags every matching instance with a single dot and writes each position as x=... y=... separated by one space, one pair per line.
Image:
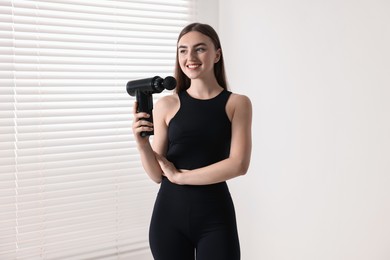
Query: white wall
x=318 y=74
x=208 y=12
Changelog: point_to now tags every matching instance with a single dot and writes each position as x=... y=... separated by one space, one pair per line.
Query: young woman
x=202 y=138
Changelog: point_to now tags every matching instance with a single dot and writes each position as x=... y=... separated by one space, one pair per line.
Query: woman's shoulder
x=239 y=105
x=167 y=106
x=240 y=99
x=168 y=100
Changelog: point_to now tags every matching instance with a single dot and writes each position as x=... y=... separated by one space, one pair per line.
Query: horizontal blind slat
x=71 y=178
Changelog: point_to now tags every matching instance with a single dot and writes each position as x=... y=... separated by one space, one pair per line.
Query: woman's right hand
x=141 y=125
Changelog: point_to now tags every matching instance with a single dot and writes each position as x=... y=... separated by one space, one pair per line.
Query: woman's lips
x=193 y=66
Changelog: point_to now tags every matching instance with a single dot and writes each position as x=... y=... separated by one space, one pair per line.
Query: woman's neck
x=204 y=89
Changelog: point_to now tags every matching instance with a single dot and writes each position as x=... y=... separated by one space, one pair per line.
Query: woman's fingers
x=140 y=124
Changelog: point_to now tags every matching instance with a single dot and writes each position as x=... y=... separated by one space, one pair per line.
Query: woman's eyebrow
x=196 y=45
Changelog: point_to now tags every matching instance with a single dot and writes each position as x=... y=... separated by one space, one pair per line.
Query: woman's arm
x=146 y=150
x=239 y=110
x=149 y=163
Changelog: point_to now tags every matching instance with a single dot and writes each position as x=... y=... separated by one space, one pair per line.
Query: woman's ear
x=218 y=55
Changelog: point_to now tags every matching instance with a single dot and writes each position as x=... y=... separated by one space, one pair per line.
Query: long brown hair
x=183 y=82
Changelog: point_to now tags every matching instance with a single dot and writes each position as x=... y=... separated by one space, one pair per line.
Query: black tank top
x=200 y=132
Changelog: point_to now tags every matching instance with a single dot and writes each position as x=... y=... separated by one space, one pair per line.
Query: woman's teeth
x=193 y=66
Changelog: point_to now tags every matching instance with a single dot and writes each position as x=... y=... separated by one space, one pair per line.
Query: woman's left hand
x=169 y=170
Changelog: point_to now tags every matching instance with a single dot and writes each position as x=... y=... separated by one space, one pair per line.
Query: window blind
x=71 y=182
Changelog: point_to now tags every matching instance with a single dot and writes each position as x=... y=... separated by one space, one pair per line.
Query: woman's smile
x=193 y=66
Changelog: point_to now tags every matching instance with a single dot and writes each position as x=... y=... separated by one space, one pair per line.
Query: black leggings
x=194 y=222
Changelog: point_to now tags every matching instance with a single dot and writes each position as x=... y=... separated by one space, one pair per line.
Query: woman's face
x=197 y=55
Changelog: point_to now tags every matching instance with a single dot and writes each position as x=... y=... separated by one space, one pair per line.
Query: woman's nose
x=191 y=55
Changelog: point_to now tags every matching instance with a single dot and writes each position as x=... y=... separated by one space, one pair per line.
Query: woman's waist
x=194 y=157
x=216 y=190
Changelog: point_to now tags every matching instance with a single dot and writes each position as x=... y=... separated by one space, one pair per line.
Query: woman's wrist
x=179 y=178
x=143 y=146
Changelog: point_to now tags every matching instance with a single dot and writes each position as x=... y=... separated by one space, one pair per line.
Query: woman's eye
x=200 y=50
x=182 y=51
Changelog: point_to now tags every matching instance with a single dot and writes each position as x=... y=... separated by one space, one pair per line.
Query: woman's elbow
x=242 y=167
x=156 y=179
